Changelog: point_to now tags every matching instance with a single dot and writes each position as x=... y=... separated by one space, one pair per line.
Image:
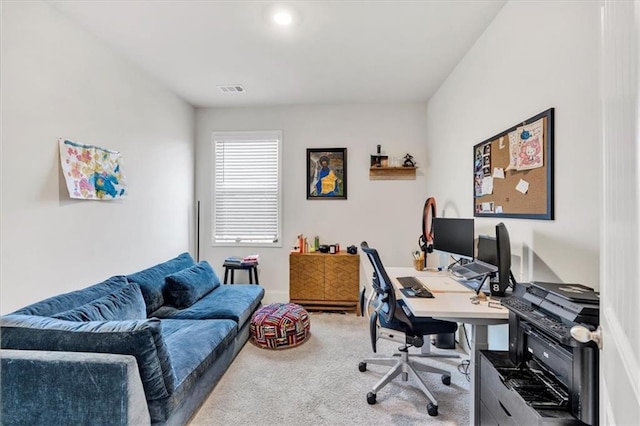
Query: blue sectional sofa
x=136 y=349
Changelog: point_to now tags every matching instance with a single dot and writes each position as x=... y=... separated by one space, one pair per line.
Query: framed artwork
x=326 y=173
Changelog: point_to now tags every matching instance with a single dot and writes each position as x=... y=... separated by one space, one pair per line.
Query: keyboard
x=416 y=285
x=410 y=282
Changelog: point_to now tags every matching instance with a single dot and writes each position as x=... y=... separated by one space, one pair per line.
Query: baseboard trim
x=275 y=297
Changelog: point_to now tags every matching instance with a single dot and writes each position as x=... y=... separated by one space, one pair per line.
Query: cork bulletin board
x=513 y=171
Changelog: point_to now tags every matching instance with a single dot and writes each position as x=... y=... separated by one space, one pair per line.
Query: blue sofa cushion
x=204 y=338
x=74 y=299
x=208 y=342
x=234 y=301
x=186 y=287
x=142 y=339
x=151 y=280
x=123 y=304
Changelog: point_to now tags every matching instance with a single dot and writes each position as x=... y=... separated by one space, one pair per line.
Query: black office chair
x=392 y=320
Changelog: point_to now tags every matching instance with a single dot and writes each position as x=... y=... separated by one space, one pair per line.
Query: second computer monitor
x=487 y=250
x=453 y=236
x=503 y=243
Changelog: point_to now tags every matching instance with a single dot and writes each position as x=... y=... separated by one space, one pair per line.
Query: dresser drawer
x=486 y=418
x=500 y=415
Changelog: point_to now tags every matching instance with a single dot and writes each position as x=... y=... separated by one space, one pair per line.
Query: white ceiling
x=337 y=51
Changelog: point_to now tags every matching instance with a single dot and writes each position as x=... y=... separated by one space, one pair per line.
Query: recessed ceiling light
x=283 y=17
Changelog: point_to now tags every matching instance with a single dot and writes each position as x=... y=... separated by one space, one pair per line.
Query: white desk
x=452 y=302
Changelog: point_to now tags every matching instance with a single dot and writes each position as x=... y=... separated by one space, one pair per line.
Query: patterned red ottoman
x=279 y=326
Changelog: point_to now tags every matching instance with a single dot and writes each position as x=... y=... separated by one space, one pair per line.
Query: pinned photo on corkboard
x=327 y=173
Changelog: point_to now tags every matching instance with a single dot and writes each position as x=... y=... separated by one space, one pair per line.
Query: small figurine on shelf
x=408 y=161
x=379 y=160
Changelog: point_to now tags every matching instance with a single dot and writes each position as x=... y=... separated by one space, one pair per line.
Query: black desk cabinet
x=499 y=405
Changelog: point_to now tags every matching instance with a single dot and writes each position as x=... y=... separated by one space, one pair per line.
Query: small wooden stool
x=253 y=271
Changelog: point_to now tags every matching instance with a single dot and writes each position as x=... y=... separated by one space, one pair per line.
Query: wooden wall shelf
x=391 y=173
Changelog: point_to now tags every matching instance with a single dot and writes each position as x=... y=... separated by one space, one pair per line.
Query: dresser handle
x=504 y=409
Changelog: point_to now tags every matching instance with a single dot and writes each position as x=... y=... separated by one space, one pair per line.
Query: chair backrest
x=381 y=283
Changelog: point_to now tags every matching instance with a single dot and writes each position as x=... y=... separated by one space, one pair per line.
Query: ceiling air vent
x=231 y=88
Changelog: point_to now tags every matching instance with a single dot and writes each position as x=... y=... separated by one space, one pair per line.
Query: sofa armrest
x=50 y=387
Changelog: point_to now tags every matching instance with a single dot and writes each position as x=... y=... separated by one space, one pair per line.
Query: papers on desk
x=444 y=285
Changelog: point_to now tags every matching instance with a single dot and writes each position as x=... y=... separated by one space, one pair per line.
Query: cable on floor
x=465 y=364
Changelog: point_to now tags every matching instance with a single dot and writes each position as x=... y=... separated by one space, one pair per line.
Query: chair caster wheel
x=362 y=367
x=371 y=399
x=432 y=409
x=446 y=380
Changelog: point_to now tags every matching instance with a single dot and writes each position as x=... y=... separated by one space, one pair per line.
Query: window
x=246 y=188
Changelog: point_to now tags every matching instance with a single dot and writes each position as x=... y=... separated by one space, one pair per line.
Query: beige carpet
x=318 y=383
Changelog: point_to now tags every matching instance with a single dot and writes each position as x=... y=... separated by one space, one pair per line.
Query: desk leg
x=226 y=274
x=426 y=348
x=255 y=272
x=479 y=341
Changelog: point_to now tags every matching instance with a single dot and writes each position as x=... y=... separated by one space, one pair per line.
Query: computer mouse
x=421 y=292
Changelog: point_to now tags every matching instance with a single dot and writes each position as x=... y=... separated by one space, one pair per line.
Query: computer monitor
x=454 y=236
x=487 y=249
x=503 y=245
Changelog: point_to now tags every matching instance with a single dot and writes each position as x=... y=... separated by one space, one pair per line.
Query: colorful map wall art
x=91 y=172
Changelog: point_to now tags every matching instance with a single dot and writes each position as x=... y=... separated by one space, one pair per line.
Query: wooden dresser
x=322 y=281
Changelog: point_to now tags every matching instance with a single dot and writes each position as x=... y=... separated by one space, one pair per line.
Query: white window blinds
x=246 y=188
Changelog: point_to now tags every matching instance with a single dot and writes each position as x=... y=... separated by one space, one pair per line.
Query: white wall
x=532 y=57
x=58 y=81
x=387 y=214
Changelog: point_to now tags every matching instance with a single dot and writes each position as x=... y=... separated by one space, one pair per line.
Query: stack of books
x=243 y=261
x=251 y=259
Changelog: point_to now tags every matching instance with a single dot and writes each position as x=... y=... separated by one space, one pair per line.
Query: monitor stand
x=477 y=284
x=484 y=282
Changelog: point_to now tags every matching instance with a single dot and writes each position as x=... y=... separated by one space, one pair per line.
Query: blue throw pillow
x=141 y=338
x=186 y=287
x=151 y=280
x=123 y=304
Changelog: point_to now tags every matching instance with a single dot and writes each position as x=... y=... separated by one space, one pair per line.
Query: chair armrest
x=49 y=387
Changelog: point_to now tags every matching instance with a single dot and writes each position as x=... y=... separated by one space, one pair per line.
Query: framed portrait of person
x=326 y=173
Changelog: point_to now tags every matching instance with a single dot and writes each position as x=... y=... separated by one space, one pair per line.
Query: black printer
x=546 y=377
